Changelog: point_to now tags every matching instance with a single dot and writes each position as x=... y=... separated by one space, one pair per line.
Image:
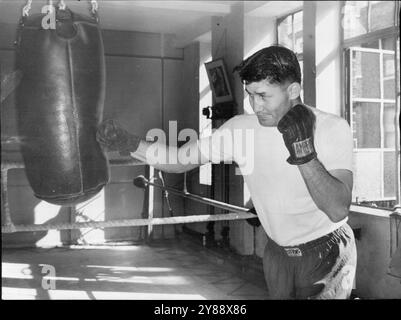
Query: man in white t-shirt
x=299 y=174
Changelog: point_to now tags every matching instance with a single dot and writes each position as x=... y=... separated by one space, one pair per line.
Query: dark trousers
x=320 y=269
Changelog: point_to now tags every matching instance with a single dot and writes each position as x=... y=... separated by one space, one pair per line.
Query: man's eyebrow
x=258 y=93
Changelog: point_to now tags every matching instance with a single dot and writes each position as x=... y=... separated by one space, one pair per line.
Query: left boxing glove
x=114 y=138
x=297 y=127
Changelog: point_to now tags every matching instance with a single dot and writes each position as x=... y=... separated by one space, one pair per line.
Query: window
x=362 y=17
x=289 y=32
x=371 y=40
x=205 y=100
x=290 y=35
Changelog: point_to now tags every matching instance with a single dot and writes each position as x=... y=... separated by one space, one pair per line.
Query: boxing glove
x=297 y=127
x=112 y=137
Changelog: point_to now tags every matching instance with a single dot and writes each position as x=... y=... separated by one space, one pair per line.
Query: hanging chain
x=26 y=8
x=95 y=6
x=62 y=5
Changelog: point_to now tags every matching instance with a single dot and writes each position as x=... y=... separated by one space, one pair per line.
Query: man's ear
x=294 y=90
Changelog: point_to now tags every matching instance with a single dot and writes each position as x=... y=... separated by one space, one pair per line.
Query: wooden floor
x=168 y=270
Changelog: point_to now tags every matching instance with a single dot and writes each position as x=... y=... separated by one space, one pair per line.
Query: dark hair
x=276 y=64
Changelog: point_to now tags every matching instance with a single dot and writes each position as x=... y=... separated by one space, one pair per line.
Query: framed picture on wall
x=218 y=80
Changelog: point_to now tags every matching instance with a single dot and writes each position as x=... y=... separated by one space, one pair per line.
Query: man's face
x=269 y=101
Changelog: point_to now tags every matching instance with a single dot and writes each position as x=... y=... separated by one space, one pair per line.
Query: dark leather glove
x=254 y=222
x=297 y=127
x=112 y=137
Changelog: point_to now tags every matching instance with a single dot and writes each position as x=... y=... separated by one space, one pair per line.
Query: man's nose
x=257 y=107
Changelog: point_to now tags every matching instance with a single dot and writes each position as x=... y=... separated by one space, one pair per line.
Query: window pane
x=299 y=42
x=366 y=124
x=373 y=44
x=366 y=74
x=367 y=176
x=388 y=44
x=285 y=32
x=389 y=174
x=388 y=76
x=381 y=14
x=355 y=19
x=389 y=125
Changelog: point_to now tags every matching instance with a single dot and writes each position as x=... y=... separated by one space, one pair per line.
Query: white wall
x=328 y=56
x=259 y=33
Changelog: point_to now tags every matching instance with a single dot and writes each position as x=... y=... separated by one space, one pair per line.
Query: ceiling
x=187 y=20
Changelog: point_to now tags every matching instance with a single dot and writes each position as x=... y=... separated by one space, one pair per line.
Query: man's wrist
x=134 y=142
x=309 y=163
x=303 y=160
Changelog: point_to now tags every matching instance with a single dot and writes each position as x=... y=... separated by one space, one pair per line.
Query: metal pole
x=142 y=182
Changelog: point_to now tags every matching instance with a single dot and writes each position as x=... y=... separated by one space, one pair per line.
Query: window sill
x=378 y=212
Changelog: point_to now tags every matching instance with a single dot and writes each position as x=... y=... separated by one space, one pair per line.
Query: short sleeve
x=334 y=144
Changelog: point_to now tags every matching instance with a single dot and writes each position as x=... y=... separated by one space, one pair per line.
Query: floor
x=168 y=270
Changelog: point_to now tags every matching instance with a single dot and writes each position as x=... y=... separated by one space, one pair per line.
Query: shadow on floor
x=166 y=270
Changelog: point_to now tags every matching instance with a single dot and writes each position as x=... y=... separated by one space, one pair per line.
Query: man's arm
x=112 y=137
x=331 y=191
x=144 y=154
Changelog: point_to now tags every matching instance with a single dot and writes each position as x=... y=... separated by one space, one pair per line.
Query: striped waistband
x=299 y=250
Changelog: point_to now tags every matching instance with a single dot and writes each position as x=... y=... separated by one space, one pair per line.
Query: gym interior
x=185 y=236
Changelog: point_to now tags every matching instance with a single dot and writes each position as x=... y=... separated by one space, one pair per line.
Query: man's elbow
x=338 y=214
x=339 y=210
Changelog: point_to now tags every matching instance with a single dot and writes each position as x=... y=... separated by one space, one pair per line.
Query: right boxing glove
x=297 y=127
x=112 y=137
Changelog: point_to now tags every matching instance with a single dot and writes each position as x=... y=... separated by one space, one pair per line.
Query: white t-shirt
x=280 y=196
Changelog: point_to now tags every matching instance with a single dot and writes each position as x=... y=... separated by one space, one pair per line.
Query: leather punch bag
x=59 y=106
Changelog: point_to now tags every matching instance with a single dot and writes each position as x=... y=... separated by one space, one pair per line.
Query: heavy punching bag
x=59 y=106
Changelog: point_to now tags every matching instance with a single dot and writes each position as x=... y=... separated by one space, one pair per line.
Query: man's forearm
x=163 y=160
x=331 y=195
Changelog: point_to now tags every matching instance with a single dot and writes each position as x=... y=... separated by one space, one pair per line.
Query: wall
x=328 y=57
x=198 y=97
x=309 y=52
x=144 y=85
x=322 y=55
x=373 y=250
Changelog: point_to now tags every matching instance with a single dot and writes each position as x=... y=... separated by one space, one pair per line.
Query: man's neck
x=296 y=101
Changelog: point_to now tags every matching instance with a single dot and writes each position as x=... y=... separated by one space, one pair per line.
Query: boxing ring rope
x=126 y=222
x=9 y=227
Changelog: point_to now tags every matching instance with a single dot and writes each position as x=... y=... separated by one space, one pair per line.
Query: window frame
x=346 y=47
x=300 y=56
